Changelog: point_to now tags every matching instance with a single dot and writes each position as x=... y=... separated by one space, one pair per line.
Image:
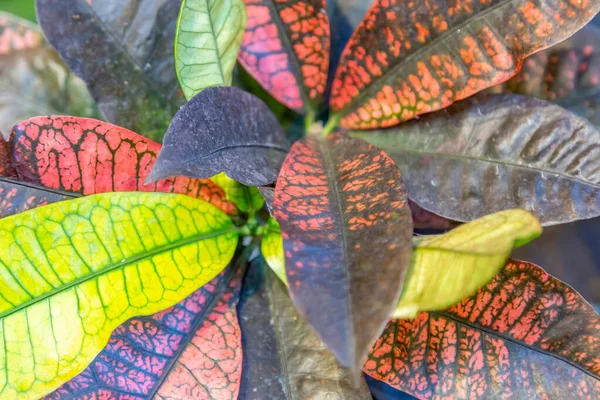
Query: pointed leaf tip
x=223 y=129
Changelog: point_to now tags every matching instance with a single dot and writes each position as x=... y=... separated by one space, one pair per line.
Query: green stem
x=331 y=124
x=309 y=120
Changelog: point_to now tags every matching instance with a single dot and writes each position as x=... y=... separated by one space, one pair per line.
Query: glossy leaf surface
x=332 y=197
x=123 y=50
x=412 y=57
x=86 y=156
x=245 y=198
x=17 y=197
x=223 y=129
x=447 y=268
x=286 y=49
x=498 y=152
x=283 y=357
x=161 y=356
x=567 y=74
x=209 y=35
x=73 y=271
x=523 y=336
x=34 y=80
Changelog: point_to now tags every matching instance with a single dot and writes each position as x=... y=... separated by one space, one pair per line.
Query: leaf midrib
x=237 y=146
x=393 y=70
x=123 y=263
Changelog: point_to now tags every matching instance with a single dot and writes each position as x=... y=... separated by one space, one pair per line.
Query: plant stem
x=309 y=120
x=331 y=125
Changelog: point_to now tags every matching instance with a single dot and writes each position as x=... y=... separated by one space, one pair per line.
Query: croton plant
x=270 y=249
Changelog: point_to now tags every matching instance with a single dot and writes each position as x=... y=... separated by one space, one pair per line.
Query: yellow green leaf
x=73 y=271
x=246 y=198
x=447 y=268
x=272 y=249
x=208 y=38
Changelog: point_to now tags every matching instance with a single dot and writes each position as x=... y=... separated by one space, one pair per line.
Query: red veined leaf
x=347 y=234
x=17 y=197
x=6 y=168
x=525 y=335
x=567 y=74
x=283 y=357
x=86 y=156
x=286 y=49
x=190 y=351
x=410 y=57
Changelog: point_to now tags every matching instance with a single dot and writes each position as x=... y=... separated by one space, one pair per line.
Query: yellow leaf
x=73 y=271
x=272 y=249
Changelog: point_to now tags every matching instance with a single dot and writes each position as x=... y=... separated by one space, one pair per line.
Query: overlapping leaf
x=498 y=152
x=283 y=357
x=567 y=74
x=245 y=198
x=524 y=335
x=423 y=219
x=73 y=271
x=412 y=57
x=86 y=156
x=34 y=80
x=17 y=197
x=209 y=35
x=123 y=50
x=223 y=129
x=447 y=268
x=337 y=201
x=192 y=350
x=286 y=49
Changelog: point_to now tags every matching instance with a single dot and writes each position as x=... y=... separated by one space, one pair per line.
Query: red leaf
x=411 y=57
x=86 y=156
x=190 y=351
x=524 y=335
x=286 y=49
x=347 y=236
x=6 y=168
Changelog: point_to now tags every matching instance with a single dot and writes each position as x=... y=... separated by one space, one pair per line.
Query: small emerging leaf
x=123 y=50
x=498 y=152
x=412 y=57
x=447 y=268
x=193 y=347
x=523 y=335
x=271 y=248
x=209 y=35
x=347 y=230
x=71 y=272
x=283 y=357
x=286 y=49
x=223 y=129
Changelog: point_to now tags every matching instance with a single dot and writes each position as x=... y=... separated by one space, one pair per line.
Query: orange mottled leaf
x=286 y=49
x=411 y=57
x=524 y=335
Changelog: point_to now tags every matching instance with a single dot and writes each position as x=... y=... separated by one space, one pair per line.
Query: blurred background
x=22 y=8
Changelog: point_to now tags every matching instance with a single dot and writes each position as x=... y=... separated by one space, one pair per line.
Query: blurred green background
x=23 y=8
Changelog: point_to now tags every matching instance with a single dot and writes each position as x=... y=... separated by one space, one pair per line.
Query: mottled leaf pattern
x=123 y=50
x=17 y=197
x=567 y=74
x=331 y=196
x=223 y=129
x=71 y=272
x=33 y=79
x=525 y=335
x=86 y=156
x=209 y=35
x=411 y=57
x=148 y=355
x=286 y=49
x=6 y=168
x=283 y=357
x=498 y=152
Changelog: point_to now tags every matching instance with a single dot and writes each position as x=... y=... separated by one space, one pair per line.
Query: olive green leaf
x=208 y=38
x=71 y=272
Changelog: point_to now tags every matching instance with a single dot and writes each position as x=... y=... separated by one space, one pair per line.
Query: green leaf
x=73 y=271
x=447 y=268
x=271 y=248
x=245 y=198
x=208 y=38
